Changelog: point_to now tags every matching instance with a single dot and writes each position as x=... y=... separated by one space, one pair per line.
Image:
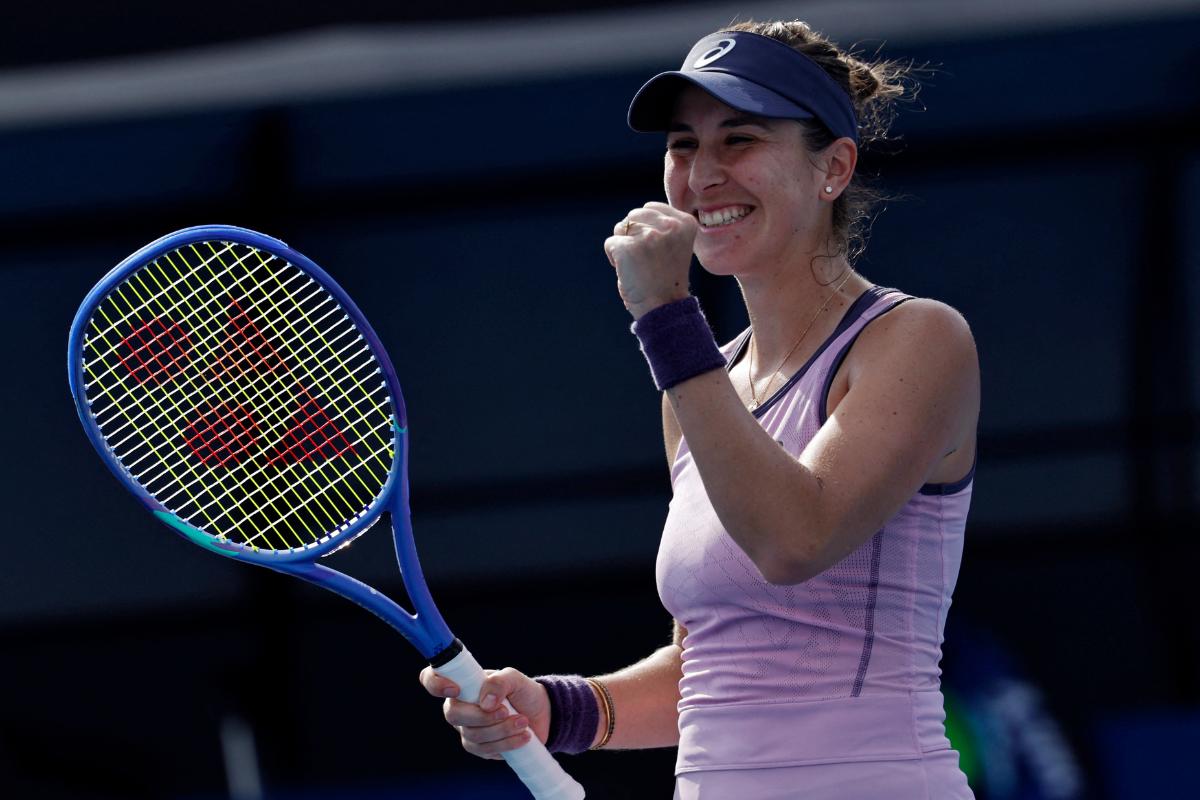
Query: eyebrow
x=731 y=122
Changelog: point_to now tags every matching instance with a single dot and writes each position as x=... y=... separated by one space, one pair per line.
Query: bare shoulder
x=920 y=359
x=914 y=372
x=920 y=331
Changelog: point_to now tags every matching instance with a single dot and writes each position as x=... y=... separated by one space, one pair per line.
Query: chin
x=722 y=263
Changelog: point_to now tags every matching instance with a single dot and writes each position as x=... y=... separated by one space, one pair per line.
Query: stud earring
x=828 y=190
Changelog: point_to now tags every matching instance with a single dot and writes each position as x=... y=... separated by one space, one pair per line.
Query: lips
x=724 y=215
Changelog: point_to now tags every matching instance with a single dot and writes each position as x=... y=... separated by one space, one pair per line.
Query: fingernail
x=521 y=723
x=450 y=692
x=488 y=702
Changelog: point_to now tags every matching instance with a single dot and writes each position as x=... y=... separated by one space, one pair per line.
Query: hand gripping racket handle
x=532 y=762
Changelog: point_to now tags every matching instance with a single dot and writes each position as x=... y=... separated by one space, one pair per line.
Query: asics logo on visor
x=709 y=56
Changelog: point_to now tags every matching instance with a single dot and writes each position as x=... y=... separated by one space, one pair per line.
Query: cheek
x=670 y=174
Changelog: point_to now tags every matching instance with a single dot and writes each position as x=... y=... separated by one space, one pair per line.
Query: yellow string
x=248 y=296
x=303 y=341
x=306 y=472
x=274 y=410
x=212 y=394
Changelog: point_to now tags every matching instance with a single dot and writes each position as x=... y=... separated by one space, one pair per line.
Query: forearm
x=645 y=700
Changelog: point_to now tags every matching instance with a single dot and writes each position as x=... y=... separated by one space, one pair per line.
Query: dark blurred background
x=456 y=166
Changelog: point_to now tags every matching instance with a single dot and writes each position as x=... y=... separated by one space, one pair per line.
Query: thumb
x=495 y=688
x=527 y=694
x=507 y=683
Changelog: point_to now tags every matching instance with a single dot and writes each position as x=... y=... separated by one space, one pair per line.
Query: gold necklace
x=754 y=402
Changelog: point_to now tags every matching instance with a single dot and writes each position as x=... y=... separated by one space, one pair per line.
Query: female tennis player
x=821 y=462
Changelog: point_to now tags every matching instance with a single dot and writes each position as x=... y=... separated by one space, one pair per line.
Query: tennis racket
x=237 y=391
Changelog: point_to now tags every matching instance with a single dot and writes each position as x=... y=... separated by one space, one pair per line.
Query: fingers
x=611 y=246
x=492 y=726
x=501 y=685
x=526 y=695
x=652 y=215
x=461 y=714
x=436 y=685
x=509 y=733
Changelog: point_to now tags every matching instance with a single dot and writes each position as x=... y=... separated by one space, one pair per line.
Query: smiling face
x=750 y=182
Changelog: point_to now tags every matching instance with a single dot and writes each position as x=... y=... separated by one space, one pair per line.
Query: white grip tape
x=532 y=762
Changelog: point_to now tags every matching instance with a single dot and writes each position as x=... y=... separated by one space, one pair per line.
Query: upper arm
x=671 y=431
x=913 y=398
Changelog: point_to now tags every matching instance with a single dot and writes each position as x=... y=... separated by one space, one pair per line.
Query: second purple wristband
x=574 y=713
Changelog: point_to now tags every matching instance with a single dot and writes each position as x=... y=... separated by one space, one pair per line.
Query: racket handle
x=532 y=762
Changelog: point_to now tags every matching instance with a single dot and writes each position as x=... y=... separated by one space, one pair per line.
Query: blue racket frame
x=425 y=628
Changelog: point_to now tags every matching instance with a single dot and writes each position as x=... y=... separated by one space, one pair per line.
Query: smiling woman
x=822 y=462
x=874 y=90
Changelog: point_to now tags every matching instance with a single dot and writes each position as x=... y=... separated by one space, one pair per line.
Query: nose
x=707 y=171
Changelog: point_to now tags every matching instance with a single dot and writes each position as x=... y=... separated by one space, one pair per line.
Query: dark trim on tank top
x=856 y=309
x=823 y=409
x=958 y=485
x=864 y=660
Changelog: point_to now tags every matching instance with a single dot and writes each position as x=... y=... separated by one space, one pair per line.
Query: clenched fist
x=651 y=250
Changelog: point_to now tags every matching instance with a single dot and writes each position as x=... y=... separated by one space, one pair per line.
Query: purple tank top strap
x=868 y=305
x=884 y=301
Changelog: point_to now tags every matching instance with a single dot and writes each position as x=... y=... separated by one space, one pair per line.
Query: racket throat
x=446 y=655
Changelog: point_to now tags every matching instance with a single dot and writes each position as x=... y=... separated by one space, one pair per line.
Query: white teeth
x=722 y=216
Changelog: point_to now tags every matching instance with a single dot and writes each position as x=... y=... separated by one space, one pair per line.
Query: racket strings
x=190 y=395
x=316 y=377
x=210 y=338
x=161 y=440
x=278 y=435
x=131 y=314
x=271 y=324
x=282 y=424
x=226 y=421
x=197 y=477
x=255 y=494
x=275 y=487
x=260 y=492
x=163 y=359
x=199 y=315
x=320 y=334
x=331 y=388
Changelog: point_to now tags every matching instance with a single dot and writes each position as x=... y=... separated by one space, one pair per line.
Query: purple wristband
x=574 y=713
x=677 y=342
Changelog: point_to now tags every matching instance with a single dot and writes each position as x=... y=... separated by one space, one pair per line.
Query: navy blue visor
x=751 y=73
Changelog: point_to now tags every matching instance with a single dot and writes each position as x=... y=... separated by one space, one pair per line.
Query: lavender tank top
x=840 y=668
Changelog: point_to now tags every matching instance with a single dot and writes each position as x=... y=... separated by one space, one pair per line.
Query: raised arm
x=913 y=399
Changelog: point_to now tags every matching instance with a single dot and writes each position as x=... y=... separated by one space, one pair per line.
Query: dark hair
x=874 y=89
